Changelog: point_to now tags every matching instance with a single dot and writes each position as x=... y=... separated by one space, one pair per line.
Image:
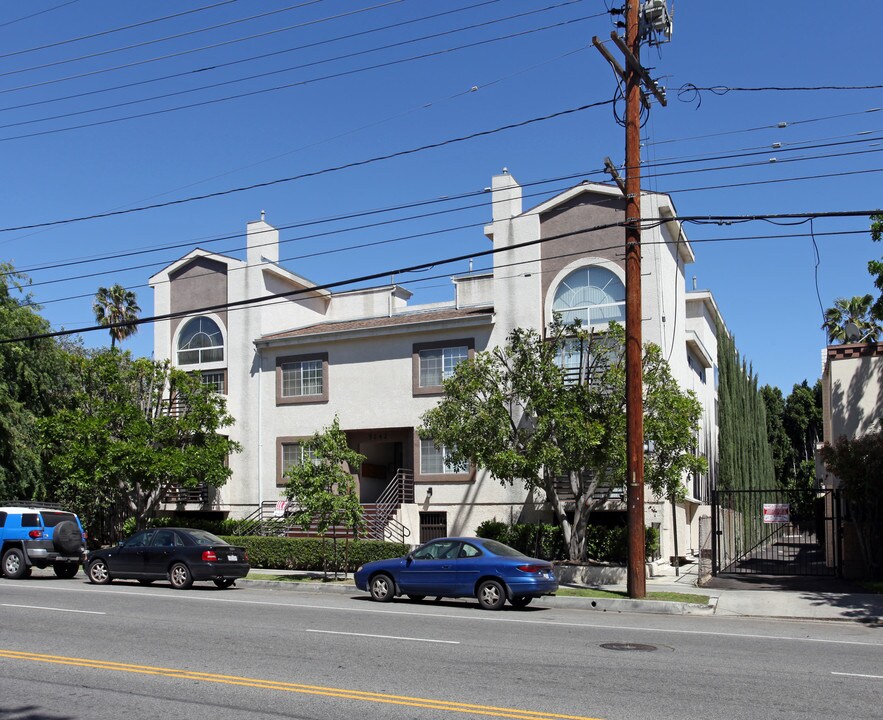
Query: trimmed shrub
x=284 y=553
x=546 y=542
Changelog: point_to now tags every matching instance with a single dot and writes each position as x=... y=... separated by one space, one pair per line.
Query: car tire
x=382 y=588
x=65 y=570
x=67 y=538
x=14 y=566
x=416 y=598
x=180 y=577
x=225 y=583
x=491 y=595
x=521 y=601
x=98 y=572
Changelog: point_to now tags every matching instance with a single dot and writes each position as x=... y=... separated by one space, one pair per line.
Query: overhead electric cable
x=41 y=12
x=217 y=66
x=155 y=40
x=269 y=73
x=699 y=219
x=314 y=173
x=118 y=29
x=286 y=86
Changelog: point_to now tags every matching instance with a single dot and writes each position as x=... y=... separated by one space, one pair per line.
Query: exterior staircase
x=272 y=518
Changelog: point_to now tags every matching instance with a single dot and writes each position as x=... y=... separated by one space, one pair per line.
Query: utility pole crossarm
x=617 y=68
x=611 y=170
x=635 y=65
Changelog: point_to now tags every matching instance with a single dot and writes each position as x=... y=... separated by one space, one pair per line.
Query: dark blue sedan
x=460 y=567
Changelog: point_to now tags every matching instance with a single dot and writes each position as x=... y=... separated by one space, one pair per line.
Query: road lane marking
x=385 y=637
x=39 y=607
x=859 y=675
x=341 y=693
x=485 y=617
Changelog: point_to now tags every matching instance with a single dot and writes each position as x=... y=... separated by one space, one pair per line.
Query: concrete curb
x=613 y=605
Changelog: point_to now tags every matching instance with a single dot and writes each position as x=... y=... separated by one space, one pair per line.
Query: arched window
x=200 y=342
x=592 y=294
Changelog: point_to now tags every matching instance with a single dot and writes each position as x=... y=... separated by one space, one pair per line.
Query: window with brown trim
x=290 y=451
x=432 y=363
x=302 y=379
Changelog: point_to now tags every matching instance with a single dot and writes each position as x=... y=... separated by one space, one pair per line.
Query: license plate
x=232 y=558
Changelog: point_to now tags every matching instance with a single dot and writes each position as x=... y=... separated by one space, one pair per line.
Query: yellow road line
x=258 y=683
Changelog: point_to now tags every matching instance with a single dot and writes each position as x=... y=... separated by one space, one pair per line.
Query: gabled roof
x=400 y=322
x=163 y=274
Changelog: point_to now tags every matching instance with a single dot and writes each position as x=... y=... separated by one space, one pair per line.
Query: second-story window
x=435 y=362
x=302 y=378
x=200 y=342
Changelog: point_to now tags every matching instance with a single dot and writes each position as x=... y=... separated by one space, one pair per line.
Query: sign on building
x=776 y=513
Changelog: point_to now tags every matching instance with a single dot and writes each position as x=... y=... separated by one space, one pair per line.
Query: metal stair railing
x=383 y=525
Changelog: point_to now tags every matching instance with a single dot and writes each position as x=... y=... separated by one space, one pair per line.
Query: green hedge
x=606 y=544
x=311 y=553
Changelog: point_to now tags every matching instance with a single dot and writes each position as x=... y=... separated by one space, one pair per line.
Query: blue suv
x=32 y=536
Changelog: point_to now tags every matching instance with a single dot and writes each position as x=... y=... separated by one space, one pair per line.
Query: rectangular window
x=433 y=525
x=432 y=459
x=292 y=453
x=434 y=362
x=302 y=379
x=215 y=380
x=438 y=365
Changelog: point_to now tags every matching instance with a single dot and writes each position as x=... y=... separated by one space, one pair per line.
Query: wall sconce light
x=429 y=492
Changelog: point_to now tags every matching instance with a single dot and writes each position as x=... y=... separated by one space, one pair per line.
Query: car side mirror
x=409 y=558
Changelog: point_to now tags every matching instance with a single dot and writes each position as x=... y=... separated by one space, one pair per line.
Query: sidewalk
x=735 y=601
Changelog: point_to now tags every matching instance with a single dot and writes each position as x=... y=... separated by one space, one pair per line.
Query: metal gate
x=776 y=532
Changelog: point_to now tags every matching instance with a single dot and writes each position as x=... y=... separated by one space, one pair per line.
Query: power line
x=693 y=93
x=420 y=203
x=647 y=222
x=41 y=12
x=190 y=51
x=315 y=173
x=775 y=126
x=269 y=73
x=286 y=86
x=118 y=29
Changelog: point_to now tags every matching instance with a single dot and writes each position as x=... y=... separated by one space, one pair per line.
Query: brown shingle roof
x=409 y=318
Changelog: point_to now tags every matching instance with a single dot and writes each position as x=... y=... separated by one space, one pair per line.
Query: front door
x=432 y=569
x=128 y=560
x=158 y=553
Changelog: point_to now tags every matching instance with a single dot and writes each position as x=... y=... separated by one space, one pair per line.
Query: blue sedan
x=460 y=567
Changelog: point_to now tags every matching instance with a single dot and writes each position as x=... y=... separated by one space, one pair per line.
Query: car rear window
x=30 y=520
x=497 y=548
x=51 y=519
x=201 y=537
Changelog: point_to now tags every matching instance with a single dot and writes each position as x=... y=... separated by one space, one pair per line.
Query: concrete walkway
x=808 y=601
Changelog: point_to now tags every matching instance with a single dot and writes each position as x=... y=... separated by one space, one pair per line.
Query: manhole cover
x=636 y=647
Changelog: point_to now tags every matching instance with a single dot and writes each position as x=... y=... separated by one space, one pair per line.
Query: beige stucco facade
x=367 y=344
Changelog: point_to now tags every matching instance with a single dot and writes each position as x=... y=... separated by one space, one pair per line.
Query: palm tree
x=116 y=305
x=852 y=320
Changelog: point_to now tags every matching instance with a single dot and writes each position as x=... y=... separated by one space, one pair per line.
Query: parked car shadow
x=30 y=712
x=468 y=603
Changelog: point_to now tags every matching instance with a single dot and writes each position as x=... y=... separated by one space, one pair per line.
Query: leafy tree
x=780 y=443
x=114 y=307
x=323 y=489
x=34 y=378
x=856 y=311
x=875 y=267
x=136 y=429
x=858 y=463
x=523 y=414
x=744 y=456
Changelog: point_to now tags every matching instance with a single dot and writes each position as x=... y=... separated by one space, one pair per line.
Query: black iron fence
x=776 y=532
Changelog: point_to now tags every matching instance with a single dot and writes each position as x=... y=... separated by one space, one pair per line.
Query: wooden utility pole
x=634 y=402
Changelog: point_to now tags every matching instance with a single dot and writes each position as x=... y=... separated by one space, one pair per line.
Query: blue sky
x=339 y=109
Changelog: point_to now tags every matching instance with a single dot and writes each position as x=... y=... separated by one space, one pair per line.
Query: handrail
x=387 y=504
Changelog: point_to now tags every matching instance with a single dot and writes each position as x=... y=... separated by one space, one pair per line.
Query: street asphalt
x=803 y=599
